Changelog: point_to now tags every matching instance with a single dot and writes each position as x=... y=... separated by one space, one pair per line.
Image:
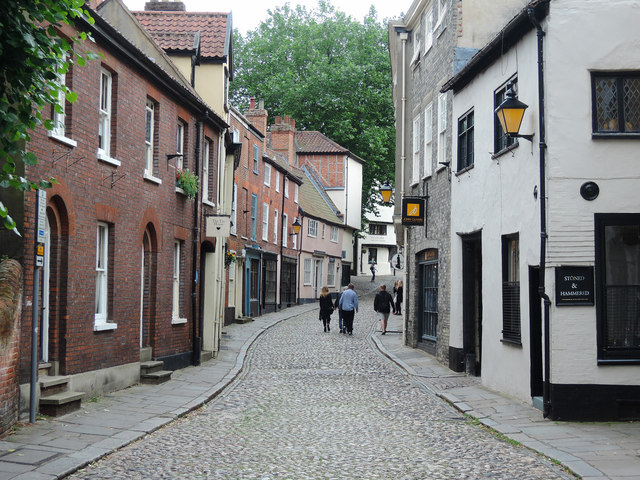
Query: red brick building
x=266 y=200
x=118 y=281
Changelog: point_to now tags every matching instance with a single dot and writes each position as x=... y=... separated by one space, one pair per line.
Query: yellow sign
x=40 y=249
x=413 y=211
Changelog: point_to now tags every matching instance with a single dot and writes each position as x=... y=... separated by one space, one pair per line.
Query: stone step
x=157 y=377
x=244 y=320
x=60 y=403
x=150 y=366
x=52 y=385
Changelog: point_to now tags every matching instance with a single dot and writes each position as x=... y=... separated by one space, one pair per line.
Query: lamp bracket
x=520 y=135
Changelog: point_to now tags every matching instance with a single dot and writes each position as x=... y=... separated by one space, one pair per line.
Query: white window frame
x=331 y=273
x=175 y=296
x=275 y=226
x=285 y=230
x=180 y=129
x=308 y=265
x=442 y=10
x=102 y=279
x=286 y=187
x=277 y=181
x=416 y=45
x=256 y=159
x=204 y=182
x=415 y=165
x=265 y=222
x=428 y=141
x=104 y=108
x=312 y=228
x=234 y=210
x=442 y=129
x=334 y=234
x=59 y=127
x=324 y=229
x=149 y=135
x=267 y=175
x=428 y=37
x=296 y=192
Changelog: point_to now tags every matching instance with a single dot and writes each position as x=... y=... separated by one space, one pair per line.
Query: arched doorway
x=210 y=297
x=148 y=284
x=54 y=286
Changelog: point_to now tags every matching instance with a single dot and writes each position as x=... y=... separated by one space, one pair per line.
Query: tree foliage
x=32 y=56
x=328 y=72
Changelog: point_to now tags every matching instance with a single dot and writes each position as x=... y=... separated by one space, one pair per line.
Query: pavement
x=56 y=447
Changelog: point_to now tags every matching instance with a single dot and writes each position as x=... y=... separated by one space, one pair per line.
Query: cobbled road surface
x=315 y=405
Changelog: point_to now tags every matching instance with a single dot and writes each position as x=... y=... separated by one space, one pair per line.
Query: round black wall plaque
x=589 y=190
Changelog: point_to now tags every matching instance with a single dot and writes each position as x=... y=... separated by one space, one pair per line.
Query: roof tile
x=174 y=31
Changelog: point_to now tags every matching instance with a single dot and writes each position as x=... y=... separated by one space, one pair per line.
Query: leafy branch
x=33 y=56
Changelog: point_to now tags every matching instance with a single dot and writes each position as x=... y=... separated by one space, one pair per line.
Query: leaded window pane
x=607 y=104
x=631 y=104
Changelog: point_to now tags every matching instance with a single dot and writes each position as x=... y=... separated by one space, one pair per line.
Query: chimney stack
x=283 y=134
x=164 y=6
x=257 y=116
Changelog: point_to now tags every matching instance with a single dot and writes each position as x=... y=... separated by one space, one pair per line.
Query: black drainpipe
x=284 y=231
x=194 y=266
x=543 y=219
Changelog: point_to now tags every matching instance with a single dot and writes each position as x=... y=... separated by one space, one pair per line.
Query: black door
x=472 y=303
x=535 y=331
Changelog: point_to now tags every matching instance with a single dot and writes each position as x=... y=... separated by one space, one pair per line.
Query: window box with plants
x=187 y=183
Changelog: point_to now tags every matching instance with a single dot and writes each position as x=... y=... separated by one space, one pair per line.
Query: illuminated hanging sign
x=413 y=211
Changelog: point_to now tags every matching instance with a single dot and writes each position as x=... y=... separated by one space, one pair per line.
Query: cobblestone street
x=314 y=405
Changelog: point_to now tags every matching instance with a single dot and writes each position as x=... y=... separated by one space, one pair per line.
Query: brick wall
x=424 y=82
x=92 y=190
x=10 y=302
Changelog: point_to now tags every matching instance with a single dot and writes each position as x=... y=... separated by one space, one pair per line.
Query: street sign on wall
x=218 y=226
x=413 y=211
x=397 y=262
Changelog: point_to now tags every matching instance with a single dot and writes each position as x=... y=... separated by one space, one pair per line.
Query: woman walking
x=326 y=308
x=399 y=292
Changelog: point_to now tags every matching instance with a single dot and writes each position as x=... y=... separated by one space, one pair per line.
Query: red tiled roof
x=174 y=31
x=316 y=142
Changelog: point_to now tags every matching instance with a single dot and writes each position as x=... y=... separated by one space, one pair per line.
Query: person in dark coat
x=399 y=298
x=326 y=308
x=382 y=304
x=336 y=305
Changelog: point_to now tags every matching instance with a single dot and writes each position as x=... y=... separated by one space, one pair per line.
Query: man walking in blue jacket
x=349 y=306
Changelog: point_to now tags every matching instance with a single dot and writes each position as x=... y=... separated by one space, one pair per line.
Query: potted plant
x=187 y=181
x=229 y=258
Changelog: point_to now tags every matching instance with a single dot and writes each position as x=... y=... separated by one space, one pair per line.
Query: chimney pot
x=252 y=103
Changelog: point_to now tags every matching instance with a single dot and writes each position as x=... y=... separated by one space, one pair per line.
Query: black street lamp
x=296 y=227
x=386 y=191
x=510 y=113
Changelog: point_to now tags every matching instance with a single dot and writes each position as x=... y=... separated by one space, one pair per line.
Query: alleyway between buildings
x=315 y=405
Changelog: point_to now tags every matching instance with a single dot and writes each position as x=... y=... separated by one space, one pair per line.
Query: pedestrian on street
x=395 y=294
x=326 y=308
x=337 y=306
x=373 y=272
x=399 y=292
x=382 y=304
x=349 y=305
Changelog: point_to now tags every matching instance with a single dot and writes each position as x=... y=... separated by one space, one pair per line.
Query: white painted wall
x=384 y=243
x=496 y=197
x=585 y=37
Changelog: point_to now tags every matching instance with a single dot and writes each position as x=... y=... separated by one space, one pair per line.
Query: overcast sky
x=247 y=14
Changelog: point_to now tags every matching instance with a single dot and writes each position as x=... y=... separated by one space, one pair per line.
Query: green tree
x=328 y=72
x=32 y=56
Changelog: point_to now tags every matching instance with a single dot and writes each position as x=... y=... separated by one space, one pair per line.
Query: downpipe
x=546 y=393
